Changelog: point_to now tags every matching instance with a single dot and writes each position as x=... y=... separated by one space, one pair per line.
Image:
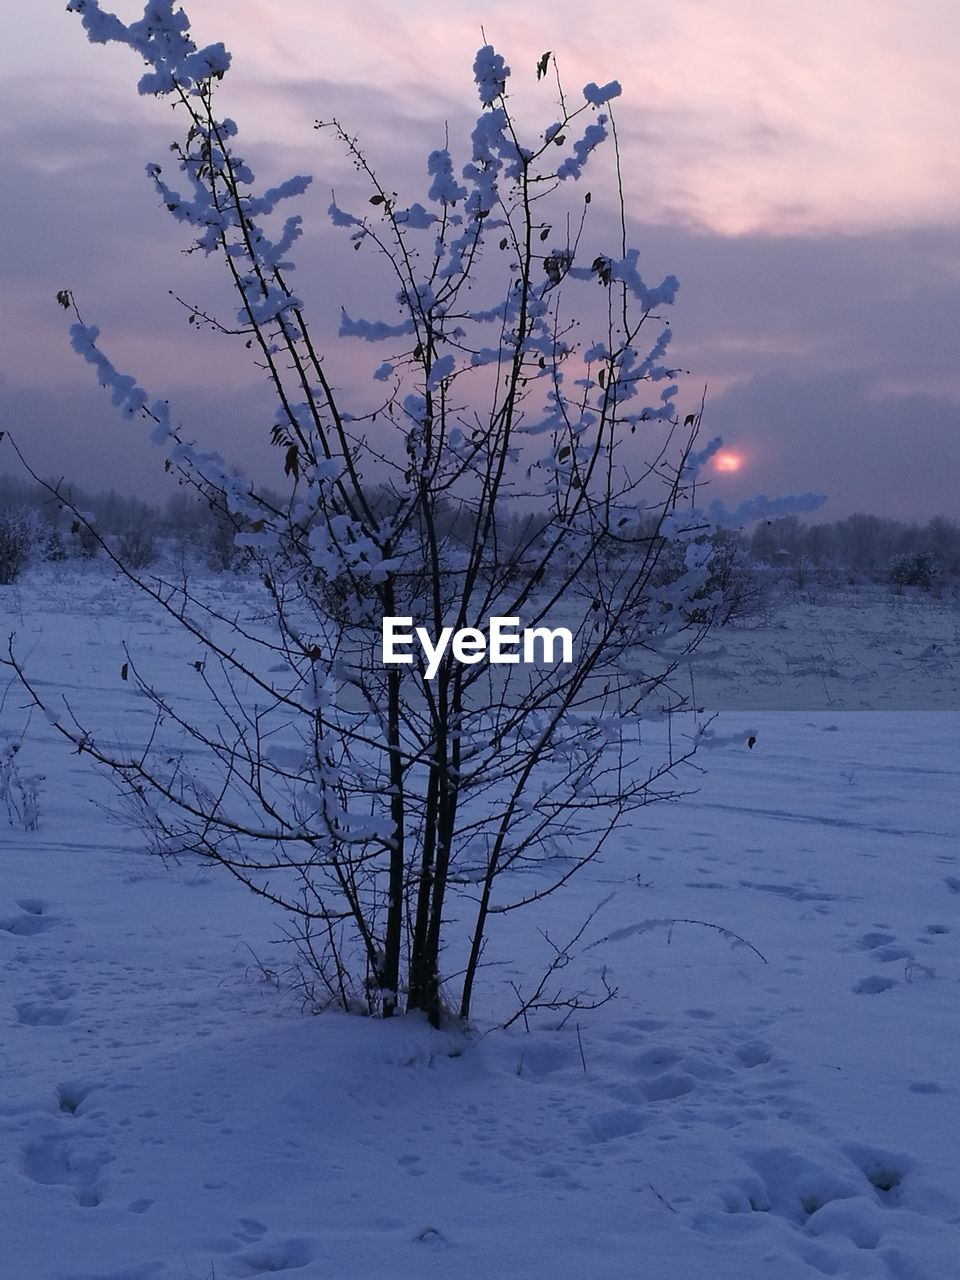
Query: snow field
x=168 y=1112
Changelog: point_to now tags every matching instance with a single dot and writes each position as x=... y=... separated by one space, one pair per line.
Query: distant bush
x=16 y=542
x=743 y=588
x=54 y=547
x=917 y=569
x=137 y=548
x=736 y=589
x=218 y=537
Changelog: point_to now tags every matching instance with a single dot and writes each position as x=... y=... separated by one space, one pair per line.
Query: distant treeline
x=34 y=525
x=868 y=544
x=114 y=512
x=871 y=545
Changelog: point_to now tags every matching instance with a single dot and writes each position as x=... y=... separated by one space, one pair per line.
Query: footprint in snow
x=873 y=985
x=72 y=1095
x=38 y=1013
x=753 y=1053
x=883 y=1169
x=645 y=1024
x=54 y=1161
x=846 y=1194
x=412 y=1164
x=272 y=1258
x=887 y=954
x=673 y=1084
x=655 y=1060
x=251 y=1229
x=24 y=926
x=870 y=941
x=33 y=906
x=605 y=1126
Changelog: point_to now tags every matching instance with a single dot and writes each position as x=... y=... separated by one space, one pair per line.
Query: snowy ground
x=839 y=648
x=168 y=1114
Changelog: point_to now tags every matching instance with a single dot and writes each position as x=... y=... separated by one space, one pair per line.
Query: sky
x=794 y=164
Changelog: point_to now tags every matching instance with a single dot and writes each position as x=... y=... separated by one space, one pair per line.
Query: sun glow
x=727 y=460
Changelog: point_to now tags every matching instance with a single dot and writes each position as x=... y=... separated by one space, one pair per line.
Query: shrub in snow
x=137 y=548
x=918 y=569
x=395 y=811
x=16 y=541
x=743 y=589
x=734 y=589
x=218 y=541
x=20 y=794
x=54 y=547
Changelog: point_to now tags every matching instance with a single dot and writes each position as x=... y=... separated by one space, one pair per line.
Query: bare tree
x=17 y=537
x=506 y=470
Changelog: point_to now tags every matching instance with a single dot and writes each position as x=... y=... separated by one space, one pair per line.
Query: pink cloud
x=739 y=118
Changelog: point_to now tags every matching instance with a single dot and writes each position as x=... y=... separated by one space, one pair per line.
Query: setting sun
x=728 y=461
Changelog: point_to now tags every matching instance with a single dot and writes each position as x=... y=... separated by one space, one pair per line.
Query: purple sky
x=796 y=165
